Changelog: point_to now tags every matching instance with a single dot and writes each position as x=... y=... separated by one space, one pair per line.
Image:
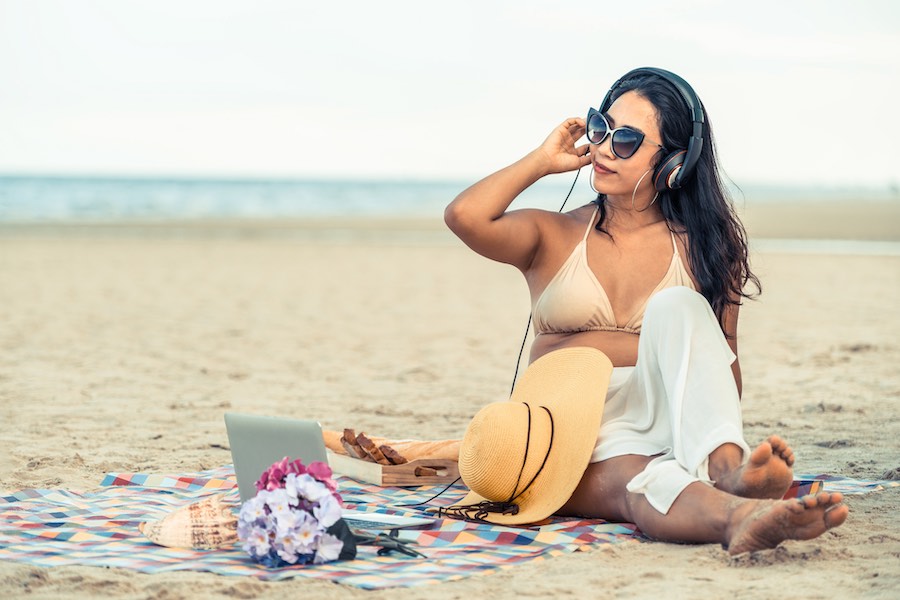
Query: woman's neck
x=621 y=214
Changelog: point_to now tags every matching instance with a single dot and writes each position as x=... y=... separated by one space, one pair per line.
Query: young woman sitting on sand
x=651 y=274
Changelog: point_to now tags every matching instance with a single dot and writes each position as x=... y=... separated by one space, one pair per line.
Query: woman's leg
x=767 y=473
x=705 y=514
x=702 y=513
x=684 y=363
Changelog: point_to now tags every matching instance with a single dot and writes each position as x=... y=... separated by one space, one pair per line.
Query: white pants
x=679 y=401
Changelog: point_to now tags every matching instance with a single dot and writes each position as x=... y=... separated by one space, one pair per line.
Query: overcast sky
x=799 y=93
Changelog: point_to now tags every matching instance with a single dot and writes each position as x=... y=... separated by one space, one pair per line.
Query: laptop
x=258 y=441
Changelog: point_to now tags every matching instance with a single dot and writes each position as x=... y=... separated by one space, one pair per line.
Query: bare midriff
x=621 y=347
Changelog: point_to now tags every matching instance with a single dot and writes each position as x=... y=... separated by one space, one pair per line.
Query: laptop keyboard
x=357 y=524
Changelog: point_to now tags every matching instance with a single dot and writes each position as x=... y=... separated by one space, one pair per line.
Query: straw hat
x=523 y=458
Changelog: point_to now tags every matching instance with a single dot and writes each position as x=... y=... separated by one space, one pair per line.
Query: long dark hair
x=717 y=241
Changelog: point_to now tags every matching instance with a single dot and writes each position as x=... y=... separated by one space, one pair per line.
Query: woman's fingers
x=571 y=162
x=583 y=160
x=560 y=146
x=575 y=127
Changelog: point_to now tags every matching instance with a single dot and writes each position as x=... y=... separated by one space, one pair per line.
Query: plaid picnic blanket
x=57 y=527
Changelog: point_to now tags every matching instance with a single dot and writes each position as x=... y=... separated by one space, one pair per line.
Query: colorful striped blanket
x=57 y=527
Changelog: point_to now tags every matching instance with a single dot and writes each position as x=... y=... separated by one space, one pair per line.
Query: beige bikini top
x=575 y=301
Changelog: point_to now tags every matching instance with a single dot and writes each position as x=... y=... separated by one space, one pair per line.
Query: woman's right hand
x=479 y=215
x=559 y=151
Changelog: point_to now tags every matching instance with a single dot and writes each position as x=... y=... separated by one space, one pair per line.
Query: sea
x=47 y=198
x=139 y=199
x=58 y=199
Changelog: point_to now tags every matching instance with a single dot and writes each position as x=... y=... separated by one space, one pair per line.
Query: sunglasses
x=624 y=140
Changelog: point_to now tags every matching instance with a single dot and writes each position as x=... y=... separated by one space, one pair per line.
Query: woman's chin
x=601 y=187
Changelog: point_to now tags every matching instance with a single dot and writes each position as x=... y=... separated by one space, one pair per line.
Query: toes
x=833 y=498
x=821 y=500
x=761 y=454
x=778 y=444
x=803 y=503
x=814 y=500
x=781 y=448
x=788 y=457
x=836 y=516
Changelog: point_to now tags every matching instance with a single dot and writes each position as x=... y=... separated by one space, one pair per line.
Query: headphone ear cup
x=667 y=171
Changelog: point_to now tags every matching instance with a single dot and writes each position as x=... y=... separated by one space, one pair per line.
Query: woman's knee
x=679 y=301
x=602 y=491
x=678 y=297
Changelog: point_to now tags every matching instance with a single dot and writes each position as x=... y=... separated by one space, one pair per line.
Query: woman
x=651 y=274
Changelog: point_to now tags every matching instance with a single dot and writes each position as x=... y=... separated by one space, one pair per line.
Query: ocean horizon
x=66 y=198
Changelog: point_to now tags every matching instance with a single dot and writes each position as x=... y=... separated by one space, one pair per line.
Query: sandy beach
x=123 y=345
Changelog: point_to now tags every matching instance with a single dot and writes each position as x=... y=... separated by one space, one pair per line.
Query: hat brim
x=571 y=383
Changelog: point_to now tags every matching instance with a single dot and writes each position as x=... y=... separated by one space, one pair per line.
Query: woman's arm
x=729 y=326
x=478 y=215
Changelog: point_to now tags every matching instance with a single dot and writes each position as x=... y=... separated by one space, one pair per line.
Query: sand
x=123 y=345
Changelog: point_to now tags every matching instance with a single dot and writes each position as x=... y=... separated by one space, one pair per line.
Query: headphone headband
x=695 y=144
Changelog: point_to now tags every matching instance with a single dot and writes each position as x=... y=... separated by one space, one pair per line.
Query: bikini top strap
x=590 y=224
x=674 y=246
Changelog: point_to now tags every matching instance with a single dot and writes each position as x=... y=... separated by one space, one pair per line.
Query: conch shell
x=203 y=525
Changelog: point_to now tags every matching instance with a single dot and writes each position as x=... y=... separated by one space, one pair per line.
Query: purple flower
x=278 y=502
x=292 y=491
x=329 y=549
x=328 y=511
x=285 y=522
x=288 y=521
x=310 y=489
x=301 y=539
x=256 y=542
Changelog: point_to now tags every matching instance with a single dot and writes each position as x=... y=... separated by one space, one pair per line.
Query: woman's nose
x=605 y=148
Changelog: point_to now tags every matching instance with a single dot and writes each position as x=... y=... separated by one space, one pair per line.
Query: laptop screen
x=257 y=442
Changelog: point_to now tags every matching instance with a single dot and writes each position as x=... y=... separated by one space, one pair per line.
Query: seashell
x=203 y=525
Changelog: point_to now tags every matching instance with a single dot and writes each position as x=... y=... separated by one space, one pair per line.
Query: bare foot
x=765 y=524
x=767 y=474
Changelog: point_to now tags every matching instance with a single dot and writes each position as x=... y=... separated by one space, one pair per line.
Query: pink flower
x=295 y=467
x=273 y=477
x=321 y=471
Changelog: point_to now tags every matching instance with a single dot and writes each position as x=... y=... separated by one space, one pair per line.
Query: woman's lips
x=601 y=170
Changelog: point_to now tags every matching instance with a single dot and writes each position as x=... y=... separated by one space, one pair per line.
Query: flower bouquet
x=295 y=517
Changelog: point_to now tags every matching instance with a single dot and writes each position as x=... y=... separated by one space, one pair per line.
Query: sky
x=799 y=93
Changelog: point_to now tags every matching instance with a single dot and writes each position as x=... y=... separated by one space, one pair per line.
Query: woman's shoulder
x=575 y=218
x=552 y=223
x=559 y=232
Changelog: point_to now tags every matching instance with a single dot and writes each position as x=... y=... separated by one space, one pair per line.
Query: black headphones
x=677 y=167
